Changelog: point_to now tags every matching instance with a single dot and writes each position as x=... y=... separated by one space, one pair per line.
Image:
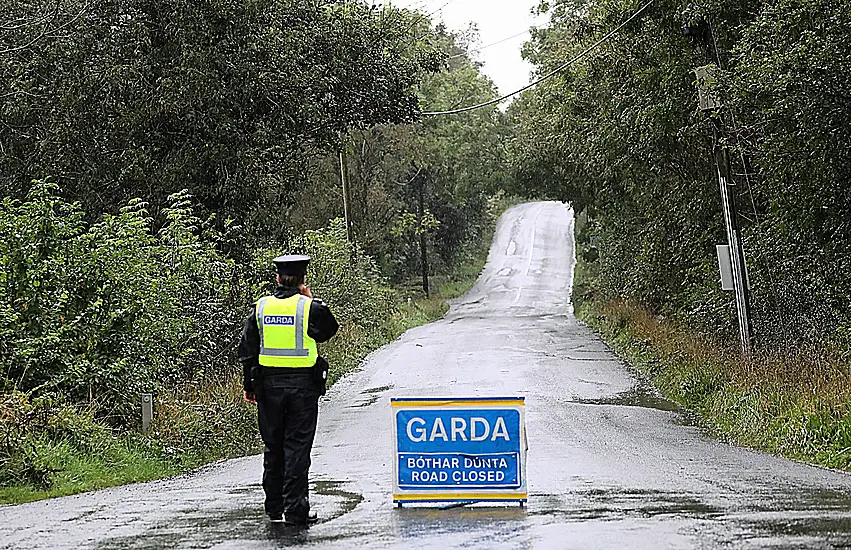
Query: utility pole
x=710 y=103
x=347 y=197
x=421 y=178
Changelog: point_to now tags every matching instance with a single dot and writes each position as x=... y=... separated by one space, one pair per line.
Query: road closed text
x=452 y=470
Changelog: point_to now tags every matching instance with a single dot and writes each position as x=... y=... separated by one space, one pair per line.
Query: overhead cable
x=550 y=74
x=421 y=15
x=440 y=8
x=480 y=48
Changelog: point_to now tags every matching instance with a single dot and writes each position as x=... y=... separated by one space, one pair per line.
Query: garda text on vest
x=280 y=320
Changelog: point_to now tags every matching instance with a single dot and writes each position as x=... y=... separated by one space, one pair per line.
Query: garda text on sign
x=459 y=449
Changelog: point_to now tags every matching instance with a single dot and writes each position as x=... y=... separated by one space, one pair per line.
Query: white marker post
x=147 y=411
x=459 y=449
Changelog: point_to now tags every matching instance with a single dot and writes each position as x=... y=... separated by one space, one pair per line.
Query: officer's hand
x=250 y=397
x=305 y=291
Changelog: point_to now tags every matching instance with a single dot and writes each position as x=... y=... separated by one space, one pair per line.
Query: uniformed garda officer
x=284 y=376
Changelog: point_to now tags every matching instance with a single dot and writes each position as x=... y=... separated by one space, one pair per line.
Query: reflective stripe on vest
x=284 y=341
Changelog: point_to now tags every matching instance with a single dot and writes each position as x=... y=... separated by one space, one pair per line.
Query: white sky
x=496 y=20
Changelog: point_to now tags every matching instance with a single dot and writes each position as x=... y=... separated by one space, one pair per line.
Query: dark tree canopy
x=619 y=135
x=226 y=98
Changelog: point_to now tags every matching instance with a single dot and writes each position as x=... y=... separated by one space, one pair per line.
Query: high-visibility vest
x=283 y=332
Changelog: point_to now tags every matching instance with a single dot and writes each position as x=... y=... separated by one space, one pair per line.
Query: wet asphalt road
x=610 y=464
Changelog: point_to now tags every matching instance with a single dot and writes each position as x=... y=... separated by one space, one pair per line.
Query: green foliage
x=790 y=405
x=54 y=447
x=111 y=309
x=20 y=459
x=105 y=311
x=615 y=135
x=619 y=136
x=433 y=178
x=51 y=448
x=202 y=421
x=790 y=84
x=347 y=278
x=226 y=98
x=104 y=296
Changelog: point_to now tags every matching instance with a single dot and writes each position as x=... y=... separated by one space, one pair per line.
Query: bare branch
x=46 y=32
x=23 y=22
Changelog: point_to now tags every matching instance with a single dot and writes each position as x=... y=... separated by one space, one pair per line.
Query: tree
x=619 y=136
x=227 y=98
x=430 y=181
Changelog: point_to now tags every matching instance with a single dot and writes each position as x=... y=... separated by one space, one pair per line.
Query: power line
x=440 y=8
x=457 y=55
x=550 y=74
x=412 y=6
x=422 y=16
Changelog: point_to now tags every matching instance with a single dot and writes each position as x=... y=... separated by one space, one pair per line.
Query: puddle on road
x=639 y=396
x=210 y=527
x=478 y=525
x=148 y=541
x=373 y=395
x=349 y=500
x=795 y=518
x=371 y=400
x=379 y=389
x=617 y=504
x=729 y=521
x=82 y=516
x=811 y=532
x=792 y=517
x=246 y=490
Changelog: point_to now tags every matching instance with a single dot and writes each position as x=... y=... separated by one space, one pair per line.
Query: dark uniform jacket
x=321 y=326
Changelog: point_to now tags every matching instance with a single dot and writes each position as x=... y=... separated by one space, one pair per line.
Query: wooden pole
x=422 y=231
x=347 y=197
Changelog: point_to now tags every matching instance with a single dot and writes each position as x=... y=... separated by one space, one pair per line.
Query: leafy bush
x=20 y=460
x=790 y=85
x=94 y=313
x=204 y=421
x=102 y=312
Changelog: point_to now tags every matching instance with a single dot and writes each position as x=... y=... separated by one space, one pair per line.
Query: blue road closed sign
x=459 y=449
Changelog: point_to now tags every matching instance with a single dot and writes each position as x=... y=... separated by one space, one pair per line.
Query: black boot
x=304 y=521
x=276 y=517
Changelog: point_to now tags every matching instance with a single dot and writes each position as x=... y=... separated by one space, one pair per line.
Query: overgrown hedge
x=101 y=312
x=95 y=313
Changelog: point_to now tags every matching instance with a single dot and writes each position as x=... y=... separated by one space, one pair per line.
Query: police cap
x=291 y=266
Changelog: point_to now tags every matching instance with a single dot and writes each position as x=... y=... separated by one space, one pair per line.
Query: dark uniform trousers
x=287 y=416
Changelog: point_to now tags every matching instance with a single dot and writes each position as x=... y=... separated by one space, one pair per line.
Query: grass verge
x=796 y=405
